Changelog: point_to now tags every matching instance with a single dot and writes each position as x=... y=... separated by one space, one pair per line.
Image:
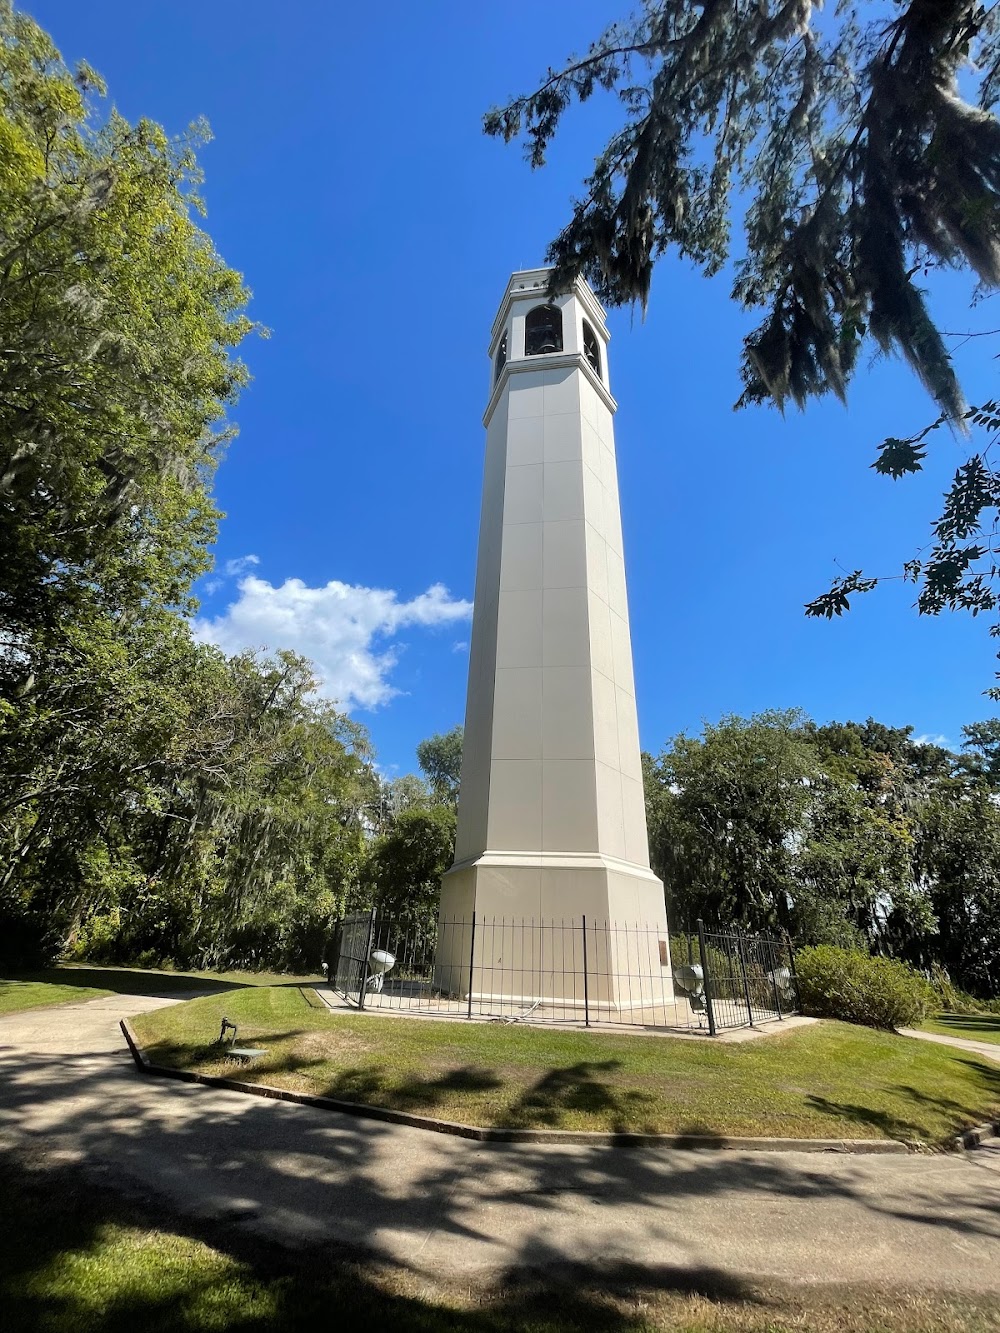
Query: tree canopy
x=850 y=138
x=118 y=322
x=440 y=758
x=846 y=833
x=861 y=142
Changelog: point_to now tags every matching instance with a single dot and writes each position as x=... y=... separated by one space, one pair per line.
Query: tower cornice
x=550 y=361
x=533 y=283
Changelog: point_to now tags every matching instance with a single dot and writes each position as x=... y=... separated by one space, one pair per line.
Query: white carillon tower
x=551 y=818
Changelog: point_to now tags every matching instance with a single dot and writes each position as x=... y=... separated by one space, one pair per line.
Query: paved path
x=454 y=1207
x=990 y=1049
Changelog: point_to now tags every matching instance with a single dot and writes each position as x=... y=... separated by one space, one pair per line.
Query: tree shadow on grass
x=129 y=981
x=584 y=1095
x=423 y=1095
x=560 y=1094
x=556 y=1100
x=158 y=984
x=958 y=1115
x=971 y=1026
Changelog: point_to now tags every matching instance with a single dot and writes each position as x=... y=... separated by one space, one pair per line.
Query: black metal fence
x=577 y=971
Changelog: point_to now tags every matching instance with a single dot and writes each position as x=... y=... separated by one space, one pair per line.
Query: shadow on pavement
x=301 y=1174
x=75 y=1258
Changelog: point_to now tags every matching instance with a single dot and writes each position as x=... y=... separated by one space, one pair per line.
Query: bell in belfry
x=543 y=331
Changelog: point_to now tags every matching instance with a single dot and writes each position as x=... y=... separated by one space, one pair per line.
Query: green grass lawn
x=971 y=1027
x=75 y=1258
x=73 y=982
x=829 y=1080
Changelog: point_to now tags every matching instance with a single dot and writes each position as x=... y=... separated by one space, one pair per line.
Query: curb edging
x=484 y=1134
x=977 y=1135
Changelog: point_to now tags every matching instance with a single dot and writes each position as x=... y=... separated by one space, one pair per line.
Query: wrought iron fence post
x=333 y=954
x=586 y=992
x=794 y=974
x=742 y=955
x=774 y=981
x=367 y=959
x=706 y=974
x=472 y=963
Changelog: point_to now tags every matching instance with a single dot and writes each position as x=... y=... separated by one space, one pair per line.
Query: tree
x=440 y=758
x=117 y=326
x=156 y=798
x=773 y=822
x=959 y=571
x=199 y=809
x=861 y=162
x=857 y=856
x=863 y=166
x=258 y=828
x=959 y=854
x=118 y=323
x=406 y=863
x=725 y=813
x=407 y=792
x=982 y=751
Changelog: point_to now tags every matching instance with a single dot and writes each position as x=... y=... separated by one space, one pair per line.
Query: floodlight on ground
x=689 y=981
x=380 y=961
x=781 y=979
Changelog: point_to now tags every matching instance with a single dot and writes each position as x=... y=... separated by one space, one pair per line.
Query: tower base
x=611 y=955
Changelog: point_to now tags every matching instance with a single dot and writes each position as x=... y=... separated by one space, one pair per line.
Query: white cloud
x=345 y=630
x=212 y=586
x=928 y=739
x=241 y=564
x=460 y=646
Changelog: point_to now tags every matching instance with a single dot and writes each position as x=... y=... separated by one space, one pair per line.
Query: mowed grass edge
x=72 y=983
x=829 y=1080
x=970 y=1027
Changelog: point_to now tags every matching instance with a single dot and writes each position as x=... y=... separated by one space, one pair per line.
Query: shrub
x=849 y=984
x=950 y=998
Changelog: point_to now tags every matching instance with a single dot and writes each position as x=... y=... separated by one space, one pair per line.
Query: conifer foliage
x=846 y=131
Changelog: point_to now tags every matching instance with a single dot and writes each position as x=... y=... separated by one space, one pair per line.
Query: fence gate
x=355 y=945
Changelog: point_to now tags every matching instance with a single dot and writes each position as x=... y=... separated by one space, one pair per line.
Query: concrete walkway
x=989 y=1049
x=452 y=1207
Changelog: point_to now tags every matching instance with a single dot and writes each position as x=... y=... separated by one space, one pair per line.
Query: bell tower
x=551 y=816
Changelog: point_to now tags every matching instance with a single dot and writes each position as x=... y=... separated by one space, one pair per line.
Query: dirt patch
x=330 y=1045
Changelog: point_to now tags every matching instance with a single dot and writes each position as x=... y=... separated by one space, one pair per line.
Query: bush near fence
x=851 y=985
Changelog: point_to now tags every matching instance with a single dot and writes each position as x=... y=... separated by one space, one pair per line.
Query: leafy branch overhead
x=959 y=572
x=863 y=164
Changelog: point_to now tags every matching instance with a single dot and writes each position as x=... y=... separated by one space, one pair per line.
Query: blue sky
x=350 y=182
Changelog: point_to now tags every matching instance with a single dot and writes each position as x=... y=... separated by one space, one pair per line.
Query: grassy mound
x=829 y=1080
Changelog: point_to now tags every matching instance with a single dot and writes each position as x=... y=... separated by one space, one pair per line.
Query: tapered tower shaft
x=551 y=818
